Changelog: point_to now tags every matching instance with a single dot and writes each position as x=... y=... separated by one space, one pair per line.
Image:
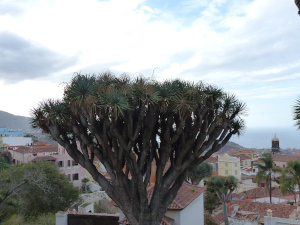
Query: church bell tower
x=275 y=145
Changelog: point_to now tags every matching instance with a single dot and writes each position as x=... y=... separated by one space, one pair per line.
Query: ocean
x=289 y=137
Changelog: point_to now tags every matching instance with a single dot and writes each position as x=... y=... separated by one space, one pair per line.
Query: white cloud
x=243 y=46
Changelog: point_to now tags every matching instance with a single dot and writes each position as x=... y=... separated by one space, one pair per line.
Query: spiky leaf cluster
x=129 y=123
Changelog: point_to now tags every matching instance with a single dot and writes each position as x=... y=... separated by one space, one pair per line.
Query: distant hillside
x=14 y=122
x=230 y=145
x=22 y=123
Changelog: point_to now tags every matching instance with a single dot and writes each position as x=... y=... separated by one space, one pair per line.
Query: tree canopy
x=290 y=177
x=129 y=123
x=199 y=172
x=224 y=187
x=36 y=188
x=266 y=171
x=4 y=164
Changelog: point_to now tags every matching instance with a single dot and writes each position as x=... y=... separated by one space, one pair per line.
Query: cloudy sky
x=248 y=47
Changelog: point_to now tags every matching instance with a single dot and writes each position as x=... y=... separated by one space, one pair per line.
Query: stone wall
x=94 y=197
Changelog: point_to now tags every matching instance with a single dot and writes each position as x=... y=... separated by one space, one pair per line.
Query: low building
x=245 y=160
x=16 y=141
x=56 y=154
x=247 y=152
x=5 y=132
x=239 y=209
x=229 y=166
x=213 y=160
x=282 y=160
x=261 y=194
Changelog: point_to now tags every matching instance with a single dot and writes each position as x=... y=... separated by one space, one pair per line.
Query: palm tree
x=224 y=187
x=266 y=171
x=290 y=177
x=201 y=171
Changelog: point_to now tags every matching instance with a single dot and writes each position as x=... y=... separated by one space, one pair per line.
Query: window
x=235 y=172
x=226 y=164
x=75 y=176
x=283 y=166
x=69 y=177
x=69 y=163
x=74 y=163
x=226 y=172
x=245 y=162
x=235 y=164
x=60 y=163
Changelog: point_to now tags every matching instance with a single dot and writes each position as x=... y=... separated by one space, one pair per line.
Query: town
x=249 y=202
x=139 y=112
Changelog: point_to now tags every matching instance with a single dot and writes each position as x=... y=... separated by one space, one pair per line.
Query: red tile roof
x=41 y=144
x=260 y=193
x=212 y=159
x=186 y=194
x=242 y=157
x=215 y=173
x=44 y=158
x=165 y=221
x=280 y=211
x=285 y=158
x=241 y=151
x=245 y=176
x=249 y=217
x=30 y=149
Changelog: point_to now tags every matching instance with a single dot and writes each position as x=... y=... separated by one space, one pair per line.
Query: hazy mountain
x=230 y=145
x=22 y=123
x=14 y=122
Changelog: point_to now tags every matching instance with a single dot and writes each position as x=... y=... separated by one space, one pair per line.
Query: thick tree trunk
x=225 y=213
x=271 y=191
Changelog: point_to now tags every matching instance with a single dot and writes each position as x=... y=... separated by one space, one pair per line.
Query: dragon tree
x=129 y=123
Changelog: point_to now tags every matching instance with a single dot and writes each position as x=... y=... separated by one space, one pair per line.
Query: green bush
x=102 y=207
x=46 y=219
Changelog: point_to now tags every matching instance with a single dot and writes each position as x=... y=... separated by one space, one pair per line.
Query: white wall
x=175 y=215
x=193 y=214
x=17 y=141
x=279 y=221
x=93 y=187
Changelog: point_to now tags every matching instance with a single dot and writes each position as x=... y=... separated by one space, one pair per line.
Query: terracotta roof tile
x=245 y=176
x=186 y=194
x=33 y=149
x=215 y=173
x=242 y=157
x=260 y=193
x=242 y=151
x=280 y=211
x=284 y=158
x=249 y=217
x=212 y=159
